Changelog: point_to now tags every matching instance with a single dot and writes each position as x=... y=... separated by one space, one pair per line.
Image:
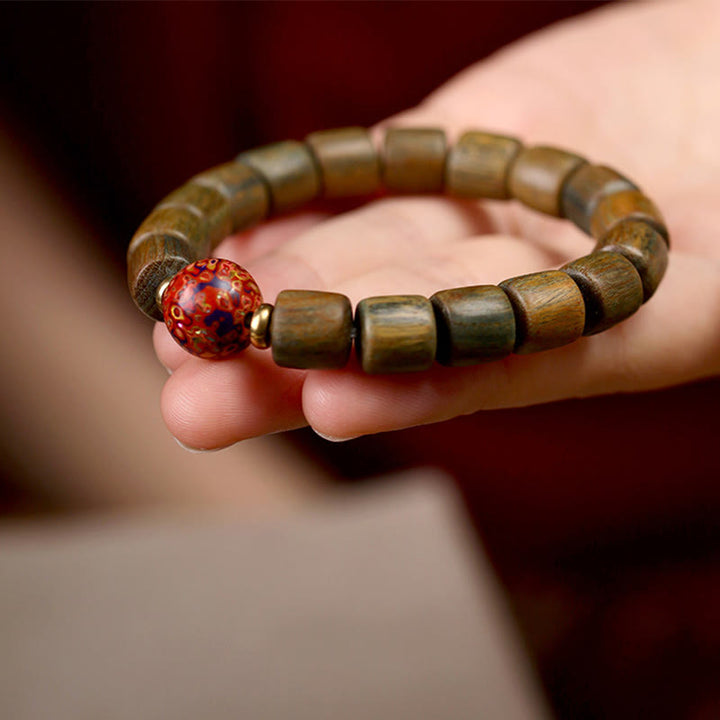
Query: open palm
x=634 y=87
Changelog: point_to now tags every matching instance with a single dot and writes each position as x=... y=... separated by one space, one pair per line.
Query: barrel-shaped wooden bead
x=478 y=165
x=627 y=205
x=311 y=330
x=395 y=333
x=474 y=324
x=549 y=310
x=643 y=246
x=348 y=161
x=585 y=188
x=414 y=160
x=180 y=222
x=246 y=193
x=538 y=174
x=289 y=170
x=152 y=261
x=211 y=205
x=610 y=286
x=168 y=239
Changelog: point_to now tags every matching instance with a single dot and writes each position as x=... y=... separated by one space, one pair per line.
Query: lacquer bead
x=478 y=165
x=549 y=310
x=414 y=160
x=474 y=324
x=289 y=170
x=349 y=163
x=151 y=261
x=538 y=174
x=628 y=205
x=246 y=192
x=610 y=286
x=585 y=188
x=643 y=246
x=395 y=333
x=208 y=306
x=311 y=330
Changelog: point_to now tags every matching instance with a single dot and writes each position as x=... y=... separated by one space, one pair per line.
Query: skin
x=631 y=86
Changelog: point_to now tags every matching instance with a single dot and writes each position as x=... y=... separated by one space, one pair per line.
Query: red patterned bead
x=208 y=307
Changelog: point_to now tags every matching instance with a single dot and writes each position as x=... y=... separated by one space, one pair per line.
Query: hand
x=634 y=87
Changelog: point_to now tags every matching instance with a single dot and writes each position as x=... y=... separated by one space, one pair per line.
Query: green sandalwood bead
x=610 y=286
x=310 y=329
x=643 y=246
x=538 y=174
x=209 y=204
x=414 y=160
x=152 y=260
x=349 y=164
x=180 y=222
x=627 y=205
x=474 y=324
x=289 y=170
x=244 y=189
x=395 y=333
x=585 y=188
x=549 y=310
x=478 y=165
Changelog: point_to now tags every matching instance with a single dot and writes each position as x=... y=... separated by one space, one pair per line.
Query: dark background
x=600 y=515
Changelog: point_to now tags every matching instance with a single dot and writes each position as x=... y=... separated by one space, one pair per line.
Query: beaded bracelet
x=214 y=308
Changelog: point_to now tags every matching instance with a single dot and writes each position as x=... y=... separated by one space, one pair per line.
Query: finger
x=209 y=405
x=319 y=258
x=673 y=339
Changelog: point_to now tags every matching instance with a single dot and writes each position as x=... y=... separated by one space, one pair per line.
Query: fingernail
x=195 y=451
x=330 y=438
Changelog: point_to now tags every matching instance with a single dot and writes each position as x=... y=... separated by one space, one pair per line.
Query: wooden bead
x=168 y=239
x=414 y=160
x=549 y=310
x=585 y=188
x=478 y=165
x=643 y=246
x=260 y=326
x=246 y=193
x=474 y=324
x=395 y=333
x=538 y=174
x=610 y=286
x=180 y=222
x=627 y=205
x=289 y=170
x=206 y=202
x=349 y=164
x=153 y=260
x=311 y=329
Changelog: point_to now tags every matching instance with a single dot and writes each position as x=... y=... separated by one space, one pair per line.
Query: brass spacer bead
x=161 y=288
x=260 y=326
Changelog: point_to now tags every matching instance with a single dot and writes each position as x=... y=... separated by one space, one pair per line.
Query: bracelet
x=214 y=308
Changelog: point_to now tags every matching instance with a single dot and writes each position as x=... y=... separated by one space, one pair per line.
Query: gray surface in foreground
x=369 y=606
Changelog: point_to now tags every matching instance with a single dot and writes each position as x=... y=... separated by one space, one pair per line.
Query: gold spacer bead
x=161 y=288
x=260 y=326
